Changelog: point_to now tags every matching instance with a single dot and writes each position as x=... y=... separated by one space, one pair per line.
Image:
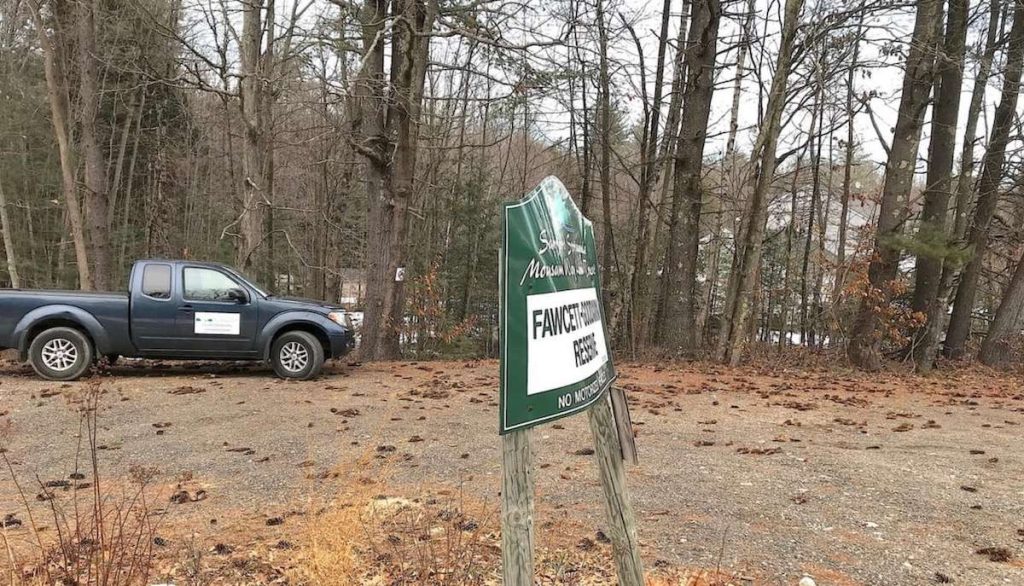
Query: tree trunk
x=844 y=204
x=996 y=350
x=814 y=146
x=788 y=266
x=932 y=231
x=865 y=341
x=668 y=147
x=604 y=121
x=648 y=177
x=57 y=92
x=965 y=179
x=255 y=164
x=93 y=158
x=5 y=226
x=389 y=123
x=745 y=270
x=988 y=190
x=677 y=318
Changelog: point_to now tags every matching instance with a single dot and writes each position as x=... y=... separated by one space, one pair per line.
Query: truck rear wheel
x=60 y=354
x=297 y=355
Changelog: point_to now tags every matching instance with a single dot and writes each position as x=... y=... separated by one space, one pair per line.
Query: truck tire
x=297 y=355
x=60 y=354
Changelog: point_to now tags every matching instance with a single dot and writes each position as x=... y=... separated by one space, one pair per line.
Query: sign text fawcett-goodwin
x=554 y=353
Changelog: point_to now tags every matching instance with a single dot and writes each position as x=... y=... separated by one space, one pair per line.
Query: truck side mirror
x=238 y=295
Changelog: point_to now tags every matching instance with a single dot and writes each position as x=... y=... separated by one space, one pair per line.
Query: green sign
x=555 y=359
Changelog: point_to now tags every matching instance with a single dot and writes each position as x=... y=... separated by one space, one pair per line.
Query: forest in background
x=838 y=175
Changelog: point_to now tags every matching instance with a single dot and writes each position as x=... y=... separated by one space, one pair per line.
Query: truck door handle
x=185 y=308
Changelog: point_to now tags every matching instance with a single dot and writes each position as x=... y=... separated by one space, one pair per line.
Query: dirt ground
x=770 y=473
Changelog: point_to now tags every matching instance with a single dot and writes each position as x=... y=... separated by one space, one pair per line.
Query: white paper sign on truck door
x=207 y=322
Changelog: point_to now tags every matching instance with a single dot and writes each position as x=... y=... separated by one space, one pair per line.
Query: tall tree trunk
x=255 y=163
x=932 y=232
x=5 y=226
x=389 y=123
x=730 y=167
x=677 y=315
x=844 y=203
x=636 y=305
x=965 y=179
x=93 y=157
x=746 y=268
x=788 y=262
x=988 y=190
x=814 y=145
x=668 y=147
x=996 y=350
x=57 y=92
x=865 y=341
x=604 y=121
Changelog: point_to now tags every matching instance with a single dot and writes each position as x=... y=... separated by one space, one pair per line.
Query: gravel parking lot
x=772 y=474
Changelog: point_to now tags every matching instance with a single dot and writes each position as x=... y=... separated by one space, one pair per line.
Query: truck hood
x=314 y=304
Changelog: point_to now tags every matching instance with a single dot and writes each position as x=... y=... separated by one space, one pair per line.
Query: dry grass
x=368 y=537
x=99 y=532
x=443 y=538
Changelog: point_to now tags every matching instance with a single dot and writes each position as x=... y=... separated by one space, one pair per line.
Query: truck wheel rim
x=294 y=357
x=59 y=354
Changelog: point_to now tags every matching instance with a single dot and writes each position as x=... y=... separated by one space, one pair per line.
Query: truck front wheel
x=60 y=354
x=297 y=355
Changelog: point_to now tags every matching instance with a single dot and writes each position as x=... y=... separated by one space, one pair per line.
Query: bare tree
x=733 y=336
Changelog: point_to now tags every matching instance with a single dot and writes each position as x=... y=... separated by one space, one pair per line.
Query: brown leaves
x=187 y=390
x=996 y=554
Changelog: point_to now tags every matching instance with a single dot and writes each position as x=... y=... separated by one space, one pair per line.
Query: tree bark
x=668 y=147
x=814 y=146
x=93 y=158
x=604 y=121
x=932 y=231
x=865 y=342
x=57 y=92
x=9 y=252
x=844 y=204
x=255 y=146
x=965 y=179
x=997 y=350
x=650 y=168
x=388 y=122
x=988 y=190
x=677 y=316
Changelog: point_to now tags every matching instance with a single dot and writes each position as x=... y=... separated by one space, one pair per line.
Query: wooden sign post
x=517 y=508
x=619 y=511
x=555 y=361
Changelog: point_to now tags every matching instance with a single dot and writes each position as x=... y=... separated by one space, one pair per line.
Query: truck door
x=153 y=309
x=216 y=315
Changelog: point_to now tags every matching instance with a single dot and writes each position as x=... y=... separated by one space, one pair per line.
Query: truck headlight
x=341 y=318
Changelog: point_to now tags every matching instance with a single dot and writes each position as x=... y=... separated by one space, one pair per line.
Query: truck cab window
x=156 y=281
x=208 y=285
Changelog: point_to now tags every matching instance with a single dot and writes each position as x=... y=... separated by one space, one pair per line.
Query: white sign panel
x=565 y=338
x=217 y=323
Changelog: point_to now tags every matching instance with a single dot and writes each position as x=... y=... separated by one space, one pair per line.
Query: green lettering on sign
x=555 y=359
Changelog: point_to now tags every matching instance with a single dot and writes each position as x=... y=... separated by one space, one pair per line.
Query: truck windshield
x=247 y=281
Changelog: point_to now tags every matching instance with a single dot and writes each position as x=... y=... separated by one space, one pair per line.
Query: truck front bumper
x=342 y=343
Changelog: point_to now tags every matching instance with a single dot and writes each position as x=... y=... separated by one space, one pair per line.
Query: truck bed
x=110 y=309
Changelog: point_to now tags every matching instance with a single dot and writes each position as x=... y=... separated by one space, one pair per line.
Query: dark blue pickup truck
x=174 y=309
